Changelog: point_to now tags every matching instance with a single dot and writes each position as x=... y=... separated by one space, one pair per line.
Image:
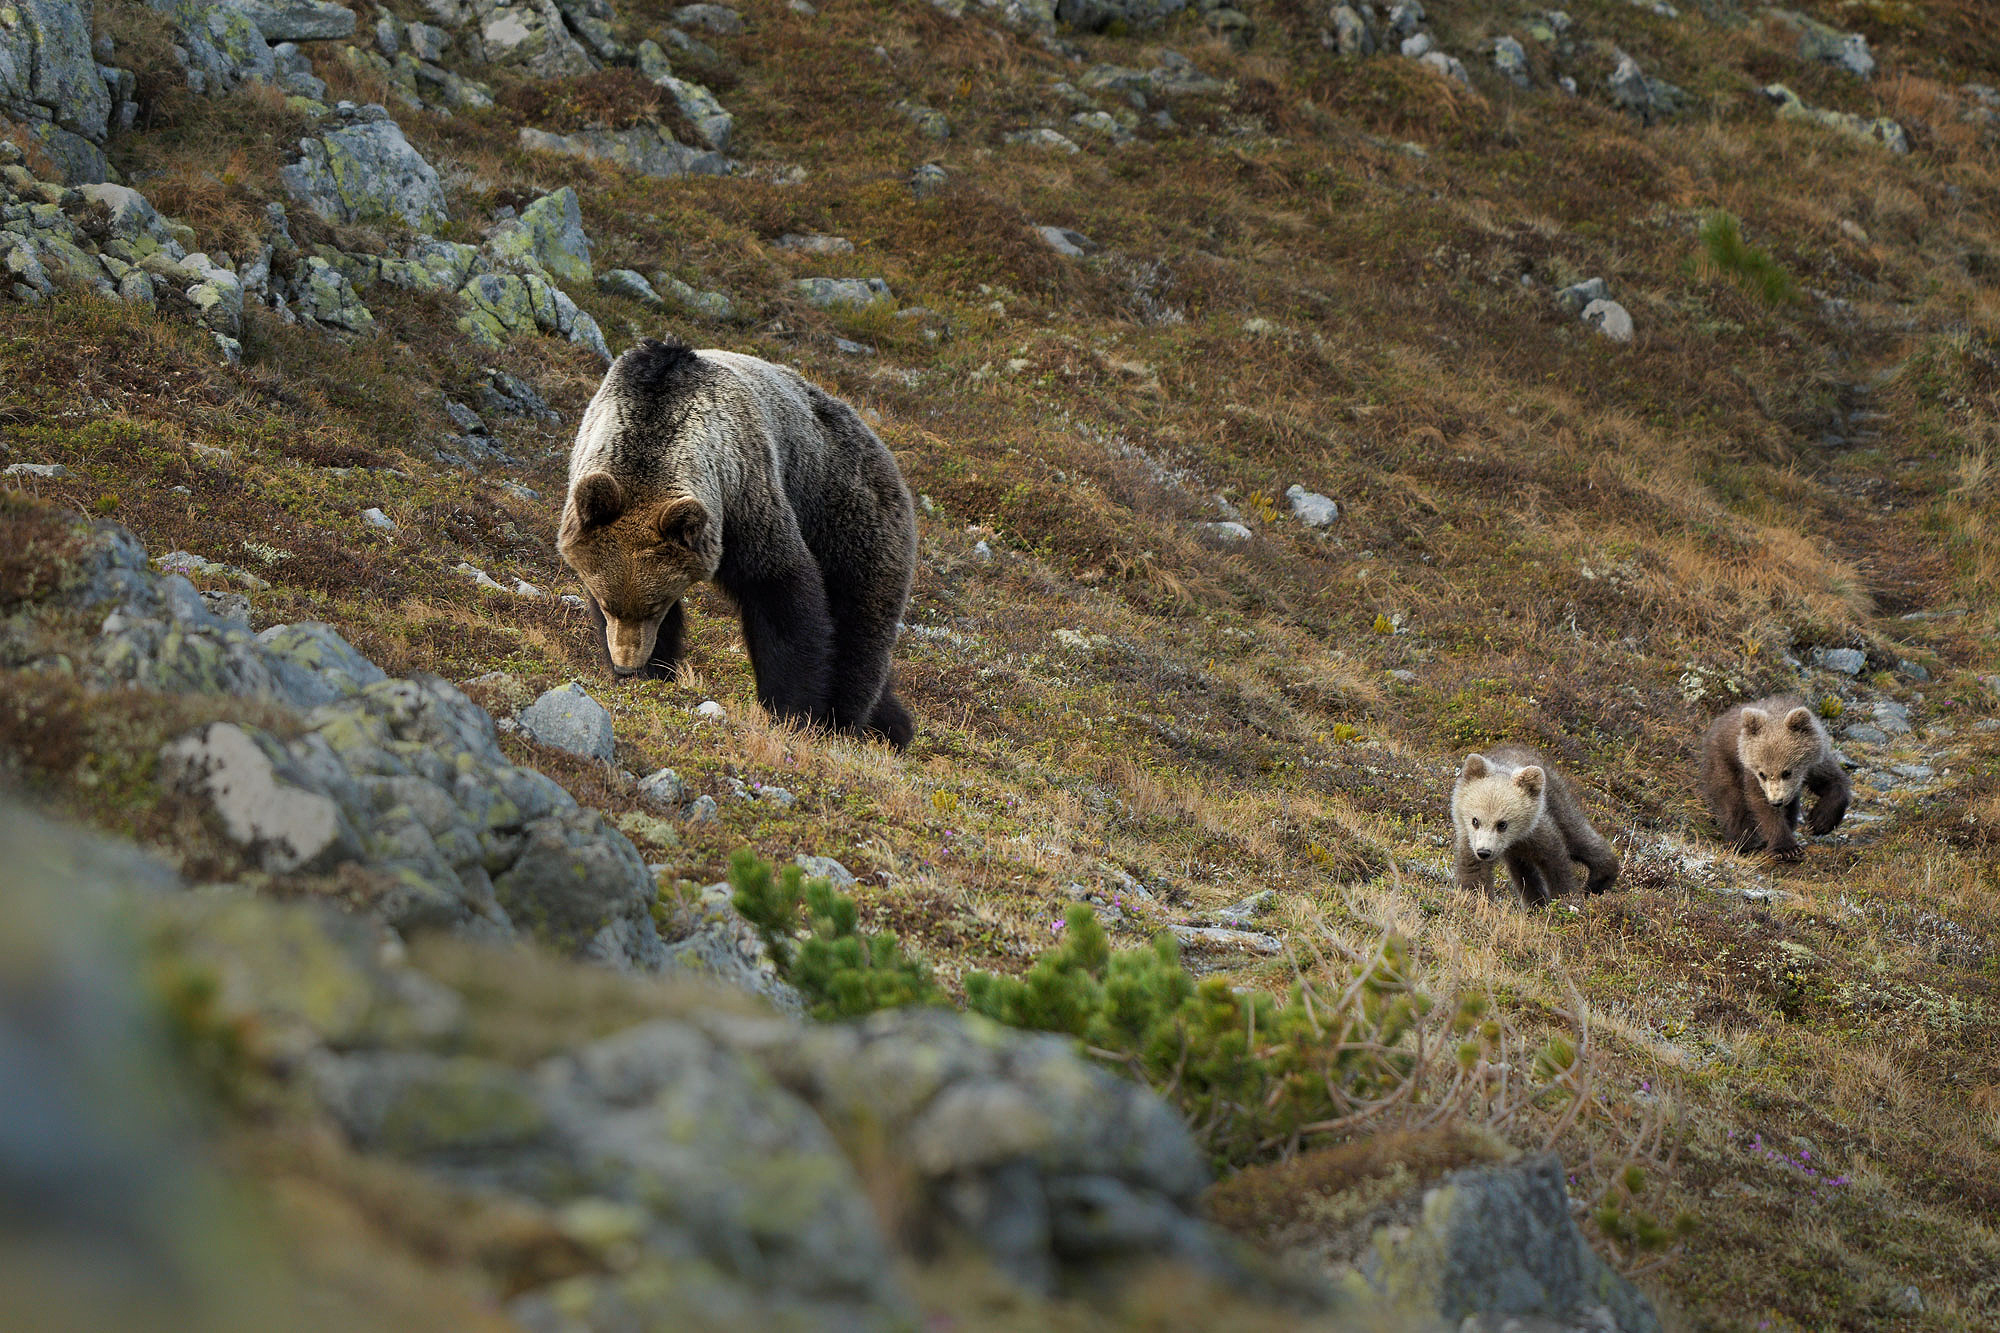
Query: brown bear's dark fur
x=693 y=466
x=1757 y=760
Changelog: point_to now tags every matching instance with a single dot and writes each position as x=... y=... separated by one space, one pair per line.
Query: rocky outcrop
x=647 y=150
x=50 y=81
x=366 y=171
x=400 y=779
x=1876 y=129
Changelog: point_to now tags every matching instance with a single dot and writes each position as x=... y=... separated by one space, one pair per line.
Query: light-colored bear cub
x=1510 y=807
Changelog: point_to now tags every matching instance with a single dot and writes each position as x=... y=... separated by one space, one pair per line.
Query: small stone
x=46 y=471
x=1914 y=670
x=718 y=19
x=1846 y=661
x=825 y=867
x=1577 y=295
x=1511 y=59
x=479 y=577
x=1416 y=45
x=1403 y=677
x=375 y=518
x=663 y=787
x=1311 y=508
x=1907 y=1300
x=1045 y=139
x=1222 y=534
x=702 y=810
x=927 y=179
x=1893 y=717
x=1610 y=319
x=708 y=710
x=629 y=284
x=464 y=417
x=569 y=719
x=1866 y=733
x=523 y=588
x=1064 y=241
x=982 y=552
x=848 y=347
x=843 y=293
x=777 y=796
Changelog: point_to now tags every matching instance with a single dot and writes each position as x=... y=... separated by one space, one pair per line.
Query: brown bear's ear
x=1799 y=719
x=683 y=522
x=1529 y=780
x=1754 y=720
x=598 y=498
x=1475 y=768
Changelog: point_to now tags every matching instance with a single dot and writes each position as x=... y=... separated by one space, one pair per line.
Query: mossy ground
x=1585 y=546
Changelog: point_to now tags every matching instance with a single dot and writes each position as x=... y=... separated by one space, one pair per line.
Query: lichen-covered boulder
x=297 y=20
x=49 y=80
x=1880 y=130
x=325 y=295
x=848 y=293
x=367 y=171
x=1497 y=1241
x=532 y=33
x=547 y=235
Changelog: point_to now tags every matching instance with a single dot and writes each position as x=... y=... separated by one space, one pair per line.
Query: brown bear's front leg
x=1831 y=793
x=1473 y=875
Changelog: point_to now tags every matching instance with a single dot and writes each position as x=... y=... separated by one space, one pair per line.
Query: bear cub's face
x=636 y=559
x=1777 y=751
x=1494 y=807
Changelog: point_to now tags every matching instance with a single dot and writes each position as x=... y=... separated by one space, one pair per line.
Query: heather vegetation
x=1289 y=416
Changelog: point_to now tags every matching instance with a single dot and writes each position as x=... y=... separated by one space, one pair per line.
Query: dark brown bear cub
x=1757 y=761
x=713 y=466
x=1509 y=807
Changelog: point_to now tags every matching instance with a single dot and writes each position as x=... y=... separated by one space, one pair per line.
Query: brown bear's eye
x=1500 y=827
x=1475 y=823
x=1787 y=773
x=1760 y=776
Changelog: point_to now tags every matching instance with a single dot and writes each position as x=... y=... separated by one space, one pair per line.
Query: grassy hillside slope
x=1334 y=273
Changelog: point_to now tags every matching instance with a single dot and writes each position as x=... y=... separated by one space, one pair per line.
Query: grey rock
x=1450 y=66
x=1893 y=717
x=1311 y=508
x=1648 y=98
x=1499 y=1241
x=1066 y=242
x=714 y=125
x=1249 y=908
x=285 y=827
x=1846 y=661
x=375 y=518
x=630 y=285
x=1576 y=296
x=702 y=810
x=49 y=74
x=849 y=347
x=647 y=150
x=464 y=417
x=709 y=939
x=1828 y=45
x=929 y=121
x=297 y=20
x=1405 y=18
x=836 y=293
x=1352 y=34
x=1222 y=534
x=1878 y=129
x=663 y=787
x=1043 y=138
x=1226 y=940
x=324 y=294
x=1866 y=733
x=547 y=235
x=1914 y=670
x=533 y=34
x=718 y=19
x=1416 y=45
x=367 y=172
x=1511 y=59
x=710 y=305
x=825 y=867
x=569 y=719
x=1610 y=319
x=46 y=471
x=927 y=179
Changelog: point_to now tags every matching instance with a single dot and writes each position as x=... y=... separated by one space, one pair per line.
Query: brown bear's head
x=636 y=558
x=1495 y=806
x=1778 y=750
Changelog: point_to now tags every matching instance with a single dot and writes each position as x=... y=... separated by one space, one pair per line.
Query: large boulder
x=548 y=235
x=367 y=171
x=49 y=80
x=401 y=779
x=1497 y=1241
x=297 y=20
x=533 y=34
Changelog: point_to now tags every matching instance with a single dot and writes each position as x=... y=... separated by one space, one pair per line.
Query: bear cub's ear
x=1754 y=720
x=1529 y=780
x=1475 y=768
x=1799 y=719
x=598 y=498
x=683 y=522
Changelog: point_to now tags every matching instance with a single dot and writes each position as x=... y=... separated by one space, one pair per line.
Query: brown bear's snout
x=1484 y=853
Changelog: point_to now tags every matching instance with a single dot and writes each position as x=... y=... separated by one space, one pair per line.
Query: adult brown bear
x=712 y=466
